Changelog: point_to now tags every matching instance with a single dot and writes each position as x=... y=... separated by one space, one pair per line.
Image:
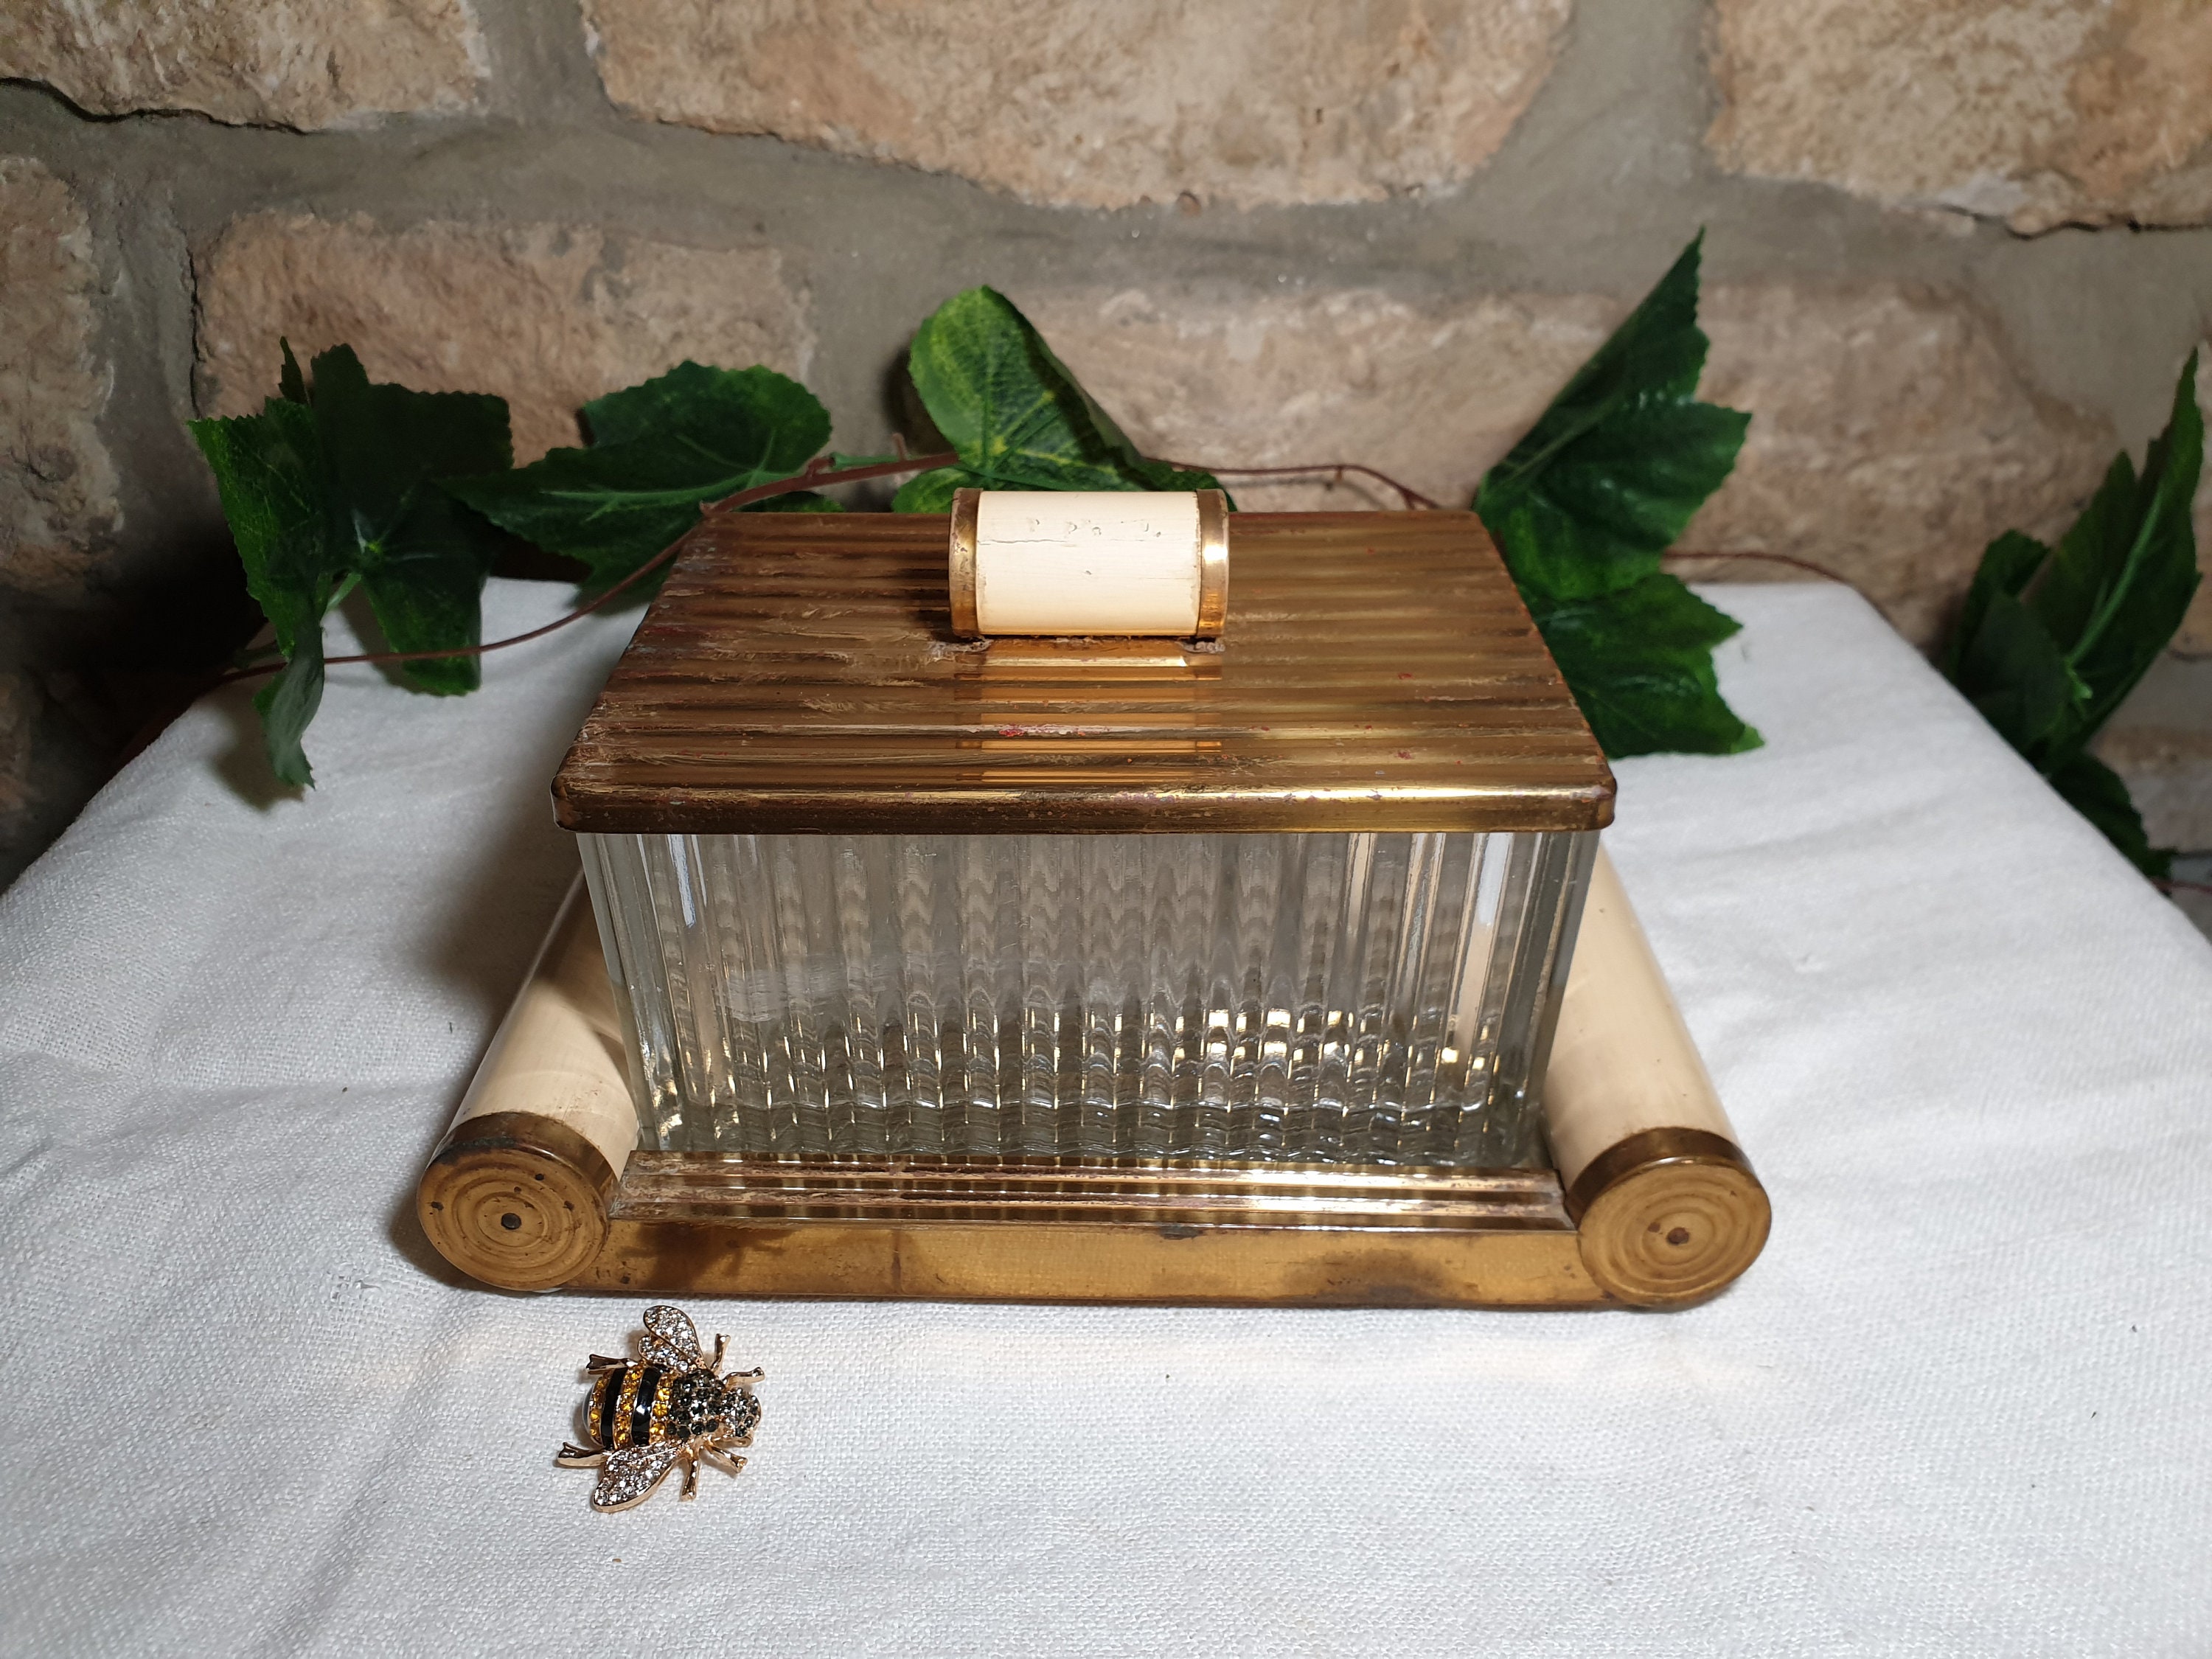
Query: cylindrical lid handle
x=1062 y=562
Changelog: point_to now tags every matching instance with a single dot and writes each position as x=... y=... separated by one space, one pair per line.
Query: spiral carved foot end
x=517 y=1200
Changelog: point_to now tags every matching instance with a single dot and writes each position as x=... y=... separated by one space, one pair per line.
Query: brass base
x=1662 y=1217
x=1042 y=1231
x=1047 y=1232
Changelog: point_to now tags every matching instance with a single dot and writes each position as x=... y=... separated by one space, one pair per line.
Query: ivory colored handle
x=1082 y=562
x=1667 y=1206
x=517 y=1192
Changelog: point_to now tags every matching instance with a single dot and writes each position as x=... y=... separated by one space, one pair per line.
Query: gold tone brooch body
x=669 y=1406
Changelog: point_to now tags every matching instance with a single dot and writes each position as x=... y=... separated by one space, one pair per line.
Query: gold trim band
x=960 y=571
x=708 y=1187
x=1641 y=1151
x=1212 y=564
x=991 y=1261
x=1048 y=1229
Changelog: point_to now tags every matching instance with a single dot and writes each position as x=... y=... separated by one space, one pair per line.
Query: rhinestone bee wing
x=629 y=1476
x=671 y=1338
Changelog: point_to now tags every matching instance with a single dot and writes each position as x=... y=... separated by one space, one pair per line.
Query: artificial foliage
x=1014 y=413
x=659 y=453
x=340 y=482
x=337 y=481
x=2051 y=640
x=1586 y=504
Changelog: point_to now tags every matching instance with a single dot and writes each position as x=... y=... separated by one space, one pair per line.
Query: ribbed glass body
x=1347 y=998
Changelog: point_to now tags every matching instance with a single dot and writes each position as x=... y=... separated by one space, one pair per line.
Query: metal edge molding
x=1212 y=564
x=1646 y=1151
x=1276 y=1266
x=1043 y=1230
x=960 y=570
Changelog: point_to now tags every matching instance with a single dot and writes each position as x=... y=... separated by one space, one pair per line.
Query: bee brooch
x=668 y=1405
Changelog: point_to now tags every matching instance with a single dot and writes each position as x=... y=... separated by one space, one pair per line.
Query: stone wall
x=1264 y=233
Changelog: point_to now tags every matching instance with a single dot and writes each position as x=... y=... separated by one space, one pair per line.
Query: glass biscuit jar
x=942 y=960
x=1303 y=893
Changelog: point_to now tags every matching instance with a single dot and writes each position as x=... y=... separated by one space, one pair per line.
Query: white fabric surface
x=1963 y=1404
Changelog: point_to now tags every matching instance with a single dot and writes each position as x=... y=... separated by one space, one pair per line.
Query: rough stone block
x=305 y=63
x=546 y=316
x=1891 y=438
x=1430 y=392
x=1271 y=101
x=2061 y=112
x=58 y=509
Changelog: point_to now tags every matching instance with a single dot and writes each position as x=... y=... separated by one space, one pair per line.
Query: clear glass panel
x=1336 y=998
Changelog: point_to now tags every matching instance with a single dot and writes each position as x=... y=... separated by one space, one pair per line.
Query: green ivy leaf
x=1607 y=478
x=286 y=705
x=1014 y=415
x=268 y=471
x=2098 y=793
x=1640 y=662
x=2014 y=672
x=659 y=452
x=421 y=557
x=1586 y=504
x=2122 y=577
x=2008 y=566
x=2051 y=641
x=335 y=481
x=932 y=492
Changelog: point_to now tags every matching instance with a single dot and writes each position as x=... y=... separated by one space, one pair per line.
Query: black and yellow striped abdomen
x=629 y=1407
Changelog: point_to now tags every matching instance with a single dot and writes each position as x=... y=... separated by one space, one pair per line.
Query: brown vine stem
x=816 y=471
x=1336 y=469
x=1790 y=559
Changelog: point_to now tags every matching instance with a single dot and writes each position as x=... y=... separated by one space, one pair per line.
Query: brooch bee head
x=669 y=1406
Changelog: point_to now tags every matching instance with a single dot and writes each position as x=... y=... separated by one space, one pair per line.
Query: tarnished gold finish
x=1284 y=1267
x=1169 y=1192
x=1046 y=1232
x=1015 y=663
x=1641 y=1151
x=1670 y=1217
x=960 y=565
x=517 y=1200
x=1213 y=563
x=800 y=672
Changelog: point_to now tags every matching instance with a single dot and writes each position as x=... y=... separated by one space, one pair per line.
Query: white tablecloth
x=1964 y=1403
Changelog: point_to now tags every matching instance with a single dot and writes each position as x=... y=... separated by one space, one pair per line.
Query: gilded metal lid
x=798 y=671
